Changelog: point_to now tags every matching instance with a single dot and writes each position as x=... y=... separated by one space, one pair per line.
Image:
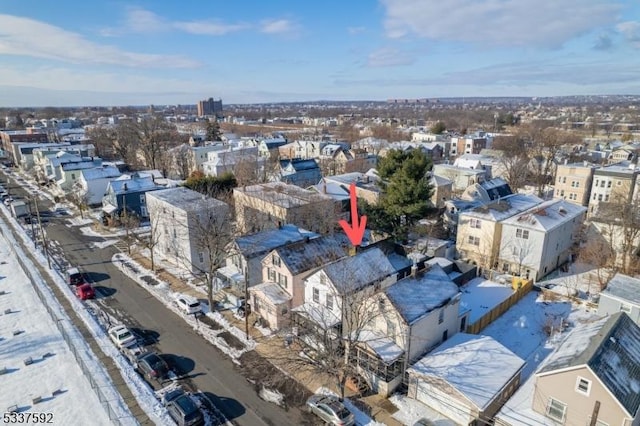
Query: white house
x=93 y=182
x=467 y=378
x=410 y=317
x=622 y=294
x=539 y=240
x=70 y=172
x=337 y=289
x=177 y=216
x=227 y=160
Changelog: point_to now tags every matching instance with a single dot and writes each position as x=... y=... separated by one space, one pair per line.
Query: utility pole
x=33 y=230
x=246 y=303
x=44 y=237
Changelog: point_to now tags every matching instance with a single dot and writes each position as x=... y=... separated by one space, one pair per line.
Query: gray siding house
x=621 y=295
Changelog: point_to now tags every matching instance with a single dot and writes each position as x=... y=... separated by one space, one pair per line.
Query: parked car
x=331 y=410
x=152 y=366
x=244 y=308
x=121 y=336
x=171 y=395
x=7 y=201
x=185 y=412
x=74 y=277
x=85 y=291
x=188 y=304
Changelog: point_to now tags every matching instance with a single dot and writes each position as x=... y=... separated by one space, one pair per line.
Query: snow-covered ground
x=138 y=387
x=531 y=329
x=76 y=402
x=481 y=295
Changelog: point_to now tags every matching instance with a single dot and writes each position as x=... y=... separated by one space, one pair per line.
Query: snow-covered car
x=188 y=304
x=7 y=201
x=121 y=336
x=330 y=410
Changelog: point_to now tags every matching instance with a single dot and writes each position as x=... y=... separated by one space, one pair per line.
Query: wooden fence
x=500 y=309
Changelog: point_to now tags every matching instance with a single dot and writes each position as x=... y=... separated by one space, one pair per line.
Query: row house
x=621 y=295
x=461 y=177
x=283 y=272
x=185 y=159
x=616 y=182
x=333 y=305
x=178 y=216
x=470 y=144
x=246 y=253
x=479 y=230
x=573 y=182
x=299 y=172
x=233 y=160
x=271 y=205
x=302 y=149
x=269 y=148
x=11 y=139
x=492 y=165
x=408 y=318
x=93 y=182
x=128 y=193
x=538 y=241
x=70 y=172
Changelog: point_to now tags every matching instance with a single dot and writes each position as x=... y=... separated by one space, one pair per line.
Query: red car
x=85 y=291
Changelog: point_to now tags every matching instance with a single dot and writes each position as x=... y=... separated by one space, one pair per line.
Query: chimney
x=414 y=269
x=353 y=250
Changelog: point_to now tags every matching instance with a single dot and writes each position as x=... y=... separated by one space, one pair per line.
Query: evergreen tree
x=406 y=192
x=213 y=130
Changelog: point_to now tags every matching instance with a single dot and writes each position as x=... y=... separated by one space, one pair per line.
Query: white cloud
x=356 y=30
x=541 y=23
x=27 y=37
x=214 y=28
x=278 y=26
x=143 y=21
x=388 y=57
x=631 y=31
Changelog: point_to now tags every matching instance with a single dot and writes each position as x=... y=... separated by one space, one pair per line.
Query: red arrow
x=355 y=231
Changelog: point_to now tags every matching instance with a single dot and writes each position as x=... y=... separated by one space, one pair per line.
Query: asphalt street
x=208 y=368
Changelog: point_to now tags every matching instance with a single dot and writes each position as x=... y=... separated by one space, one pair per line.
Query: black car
x=152 y=366
x=185 y=412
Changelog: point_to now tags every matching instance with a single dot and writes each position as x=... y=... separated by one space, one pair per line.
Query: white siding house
x=94 y=182
x=537 y=241
x=177 y=215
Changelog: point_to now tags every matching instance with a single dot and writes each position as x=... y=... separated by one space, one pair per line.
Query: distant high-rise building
x=209 y=107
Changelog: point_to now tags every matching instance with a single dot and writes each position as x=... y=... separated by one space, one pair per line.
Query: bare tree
x=104 y=140
x=79 y=197
x=202 y=239
x=514 y=160
x=597 y=252
x=151 y=136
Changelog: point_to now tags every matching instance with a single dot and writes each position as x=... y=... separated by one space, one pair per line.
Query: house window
x=522 y=233
x=583 y=386
x=271 y=274
x=599 y=197
x=143 y=199
x=323 y=279
x=597 y=182
x=625 y=308
x=475 y=223
x=577 y=184
x=282 y=279
x=73 y=176
x=275 y=260
x=556 y=410
x=200 y=257
x=474 y=240
x=606 y=197
x=564 y=180
x=441 y=316
x=284 y=310
x=329 y=302
x=562 y=192
x=573 y=183
x=601 y=184
x=619 y=183
x=609 y=184
x=316 y=295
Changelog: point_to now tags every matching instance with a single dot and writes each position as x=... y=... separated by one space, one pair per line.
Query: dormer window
x=275 y=260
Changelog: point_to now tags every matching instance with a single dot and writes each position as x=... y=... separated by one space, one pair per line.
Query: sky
x=117 y=52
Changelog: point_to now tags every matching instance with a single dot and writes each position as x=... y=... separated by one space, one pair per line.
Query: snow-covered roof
x=415 y=296
x=81 y=165
x=299 y=164
x=621 y=169
x=477 y=366
x=310 y=254
x=282 y=194
x=362 y=180
x=265 y=241
x=546 y=216
x=273 y=292
x=504 y=208
x=186 y=199
x=399 y=261
x=381 y=344
x=132 y=184
x=440 y=181
x=610 y=347
x=103 y=172
x=356 y=272
x=332 y=189
x=624 y=287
